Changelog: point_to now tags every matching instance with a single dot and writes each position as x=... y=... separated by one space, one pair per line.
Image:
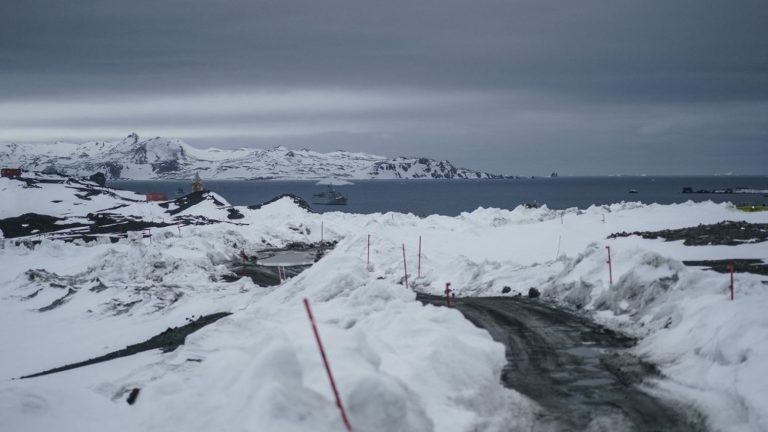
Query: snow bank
x=711 y=350
x=399 y=365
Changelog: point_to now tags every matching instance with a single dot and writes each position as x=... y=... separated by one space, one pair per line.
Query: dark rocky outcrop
x=295 y=198
x=728 y=233
x=166 y=341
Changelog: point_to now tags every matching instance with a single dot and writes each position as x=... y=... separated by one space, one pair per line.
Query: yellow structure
x=197 y=183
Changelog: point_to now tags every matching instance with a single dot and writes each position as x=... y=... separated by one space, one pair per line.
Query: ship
x=329 y=197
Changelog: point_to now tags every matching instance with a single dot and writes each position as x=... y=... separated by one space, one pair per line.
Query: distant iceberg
x=334 y=182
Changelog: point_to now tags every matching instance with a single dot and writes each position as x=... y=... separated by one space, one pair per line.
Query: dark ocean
x=451 y=197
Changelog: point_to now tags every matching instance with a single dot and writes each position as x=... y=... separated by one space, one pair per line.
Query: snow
x=18 y=199
x=399 y=365
x=334 y=182
x=134 y=158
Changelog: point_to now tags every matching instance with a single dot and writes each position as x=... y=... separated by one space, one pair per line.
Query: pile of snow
x=59 y=196
x=399 y=365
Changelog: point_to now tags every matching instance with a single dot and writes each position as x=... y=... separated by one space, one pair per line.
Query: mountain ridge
x=134 y=158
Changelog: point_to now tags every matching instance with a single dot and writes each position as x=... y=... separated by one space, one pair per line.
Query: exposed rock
x=295 y=198
x=729 y=233
x=99 y=178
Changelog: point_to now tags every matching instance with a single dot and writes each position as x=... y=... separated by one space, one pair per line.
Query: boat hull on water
x=331 y=197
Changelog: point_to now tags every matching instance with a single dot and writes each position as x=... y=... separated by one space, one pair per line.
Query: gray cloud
x=512 y=86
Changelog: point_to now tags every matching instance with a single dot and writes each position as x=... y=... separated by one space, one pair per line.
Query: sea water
x=451 y=197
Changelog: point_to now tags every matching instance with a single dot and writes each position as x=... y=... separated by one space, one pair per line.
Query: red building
x=10 y=172
x=156 y=196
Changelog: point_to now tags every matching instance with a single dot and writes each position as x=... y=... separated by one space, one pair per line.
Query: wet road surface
x=579 y=372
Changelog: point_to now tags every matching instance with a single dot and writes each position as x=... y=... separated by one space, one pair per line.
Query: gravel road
x=580 y=373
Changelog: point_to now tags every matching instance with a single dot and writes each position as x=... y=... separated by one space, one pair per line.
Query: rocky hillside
x=134 y=158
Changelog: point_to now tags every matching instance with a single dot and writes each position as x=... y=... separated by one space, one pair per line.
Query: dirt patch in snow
x=166 y=341
x=728 y=233
x=756 y=266
x=33 y=223
x=295 y=198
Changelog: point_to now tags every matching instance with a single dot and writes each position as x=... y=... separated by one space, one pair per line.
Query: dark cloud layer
x=504 y=85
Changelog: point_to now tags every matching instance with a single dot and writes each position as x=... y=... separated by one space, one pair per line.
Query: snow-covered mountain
x=133 y=158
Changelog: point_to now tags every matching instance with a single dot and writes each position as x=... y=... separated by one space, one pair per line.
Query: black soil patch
x=100 y=223
x=133 y=396
x=58 y=302
x=86 y=194
x=728 y=233
x=33 y=223
x=756 y=266
x=191 y=199
x=184 y=202
x=233 y=213
x=166 y=341
x=110 y=223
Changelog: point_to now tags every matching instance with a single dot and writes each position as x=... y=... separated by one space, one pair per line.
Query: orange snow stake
x=448 y=294
x=327 y=367
x=610 y=270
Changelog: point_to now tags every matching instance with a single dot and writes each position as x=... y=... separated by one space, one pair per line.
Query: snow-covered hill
x=86 y=271
x=133 y=158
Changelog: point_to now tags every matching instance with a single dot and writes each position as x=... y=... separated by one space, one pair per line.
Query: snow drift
x=399 y=365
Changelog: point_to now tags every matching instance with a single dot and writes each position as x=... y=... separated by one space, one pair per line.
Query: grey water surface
x=451 y=197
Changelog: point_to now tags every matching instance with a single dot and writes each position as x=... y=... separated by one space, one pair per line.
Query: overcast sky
x=509 y=86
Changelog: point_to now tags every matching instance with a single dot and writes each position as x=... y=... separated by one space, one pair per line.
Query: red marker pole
x=405 y=268
x=418 y=269
x=327 y=367
x=610 y=270
x=731 y=268
x=368 y=259
x=448 y=294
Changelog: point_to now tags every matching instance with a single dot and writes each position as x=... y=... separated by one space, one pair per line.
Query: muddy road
x=579 y=372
